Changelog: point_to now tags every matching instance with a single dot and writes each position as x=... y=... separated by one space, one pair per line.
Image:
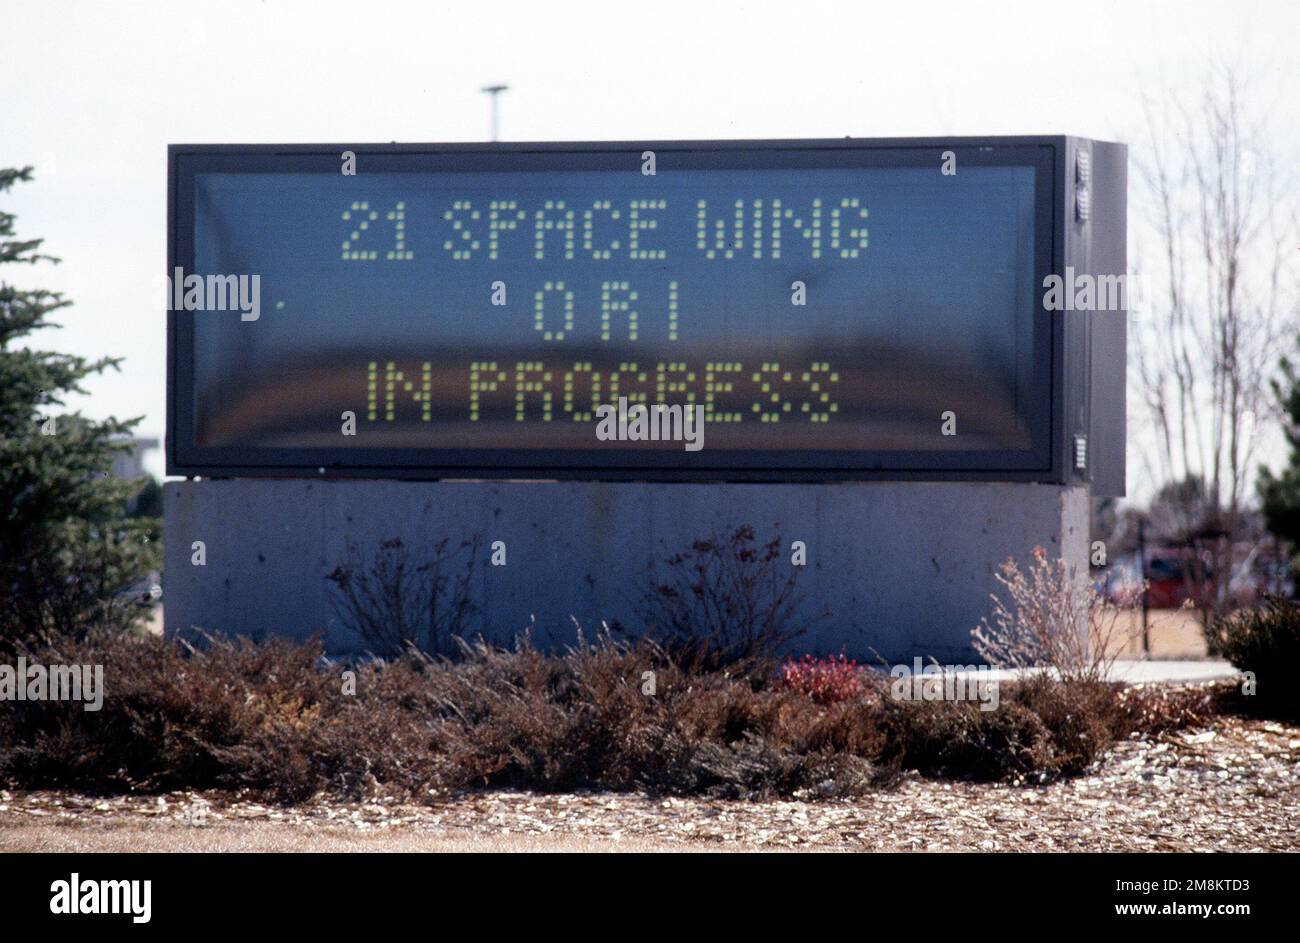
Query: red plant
x=824 y=680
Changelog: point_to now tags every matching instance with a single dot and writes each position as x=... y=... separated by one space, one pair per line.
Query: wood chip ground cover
x=1232 y=787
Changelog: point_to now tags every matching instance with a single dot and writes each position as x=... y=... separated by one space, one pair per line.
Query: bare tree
x=1216 y=303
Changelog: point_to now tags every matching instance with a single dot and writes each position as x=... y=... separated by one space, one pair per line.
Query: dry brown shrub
x=1052 y=618
x=273 y=718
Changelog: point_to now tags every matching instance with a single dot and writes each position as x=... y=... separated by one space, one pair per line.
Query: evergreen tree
x=69 y=554
x=1280 y=494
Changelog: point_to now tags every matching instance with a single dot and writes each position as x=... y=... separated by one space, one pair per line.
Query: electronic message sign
x=829 y=309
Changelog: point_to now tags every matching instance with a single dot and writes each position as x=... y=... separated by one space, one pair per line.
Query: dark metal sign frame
x=1062 y=349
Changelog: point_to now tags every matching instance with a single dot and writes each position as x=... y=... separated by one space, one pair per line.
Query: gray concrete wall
x=905 y=568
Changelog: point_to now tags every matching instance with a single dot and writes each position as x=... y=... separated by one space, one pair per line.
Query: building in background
x=129 y=463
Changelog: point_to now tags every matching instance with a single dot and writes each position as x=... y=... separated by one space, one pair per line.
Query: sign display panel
x=470 y=310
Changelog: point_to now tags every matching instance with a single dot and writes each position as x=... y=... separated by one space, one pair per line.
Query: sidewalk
x=1142 y=672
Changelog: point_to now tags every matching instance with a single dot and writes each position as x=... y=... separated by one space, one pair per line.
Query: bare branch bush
x=396 y=602
x=726 y=602
x=1053 y=618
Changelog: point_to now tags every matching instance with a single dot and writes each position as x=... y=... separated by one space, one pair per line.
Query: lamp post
x=1146 y=595
x=494 y=91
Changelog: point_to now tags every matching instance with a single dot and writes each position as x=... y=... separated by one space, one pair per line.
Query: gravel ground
x=1234 y=787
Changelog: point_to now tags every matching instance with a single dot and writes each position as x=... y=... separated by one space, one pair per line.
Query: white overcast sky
x=93 y=93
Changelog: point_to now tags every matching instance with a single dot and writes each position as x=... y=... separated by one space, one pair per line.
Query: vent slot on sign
x=1082 y=168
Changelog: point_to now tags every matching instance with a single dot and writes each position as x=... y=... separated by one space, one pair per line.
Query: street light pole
x=1146 y=595
x=494 y=91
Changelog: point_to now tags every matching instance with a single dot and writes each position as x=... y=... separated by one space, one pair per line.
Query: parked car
x=1175 y=576
x=1121 y=581
x=1261 y=574
x=1171 y=576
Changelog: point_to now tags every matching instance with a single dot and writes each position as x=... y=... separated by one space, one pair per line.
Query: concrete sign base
x=905 y=568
